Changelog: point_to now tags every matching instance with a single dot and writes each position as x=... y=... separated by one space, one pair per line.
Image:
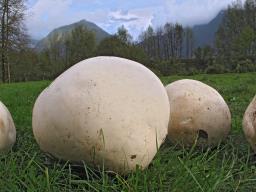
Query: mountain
x=205 y=34
x=62 y=32
x=33 y=43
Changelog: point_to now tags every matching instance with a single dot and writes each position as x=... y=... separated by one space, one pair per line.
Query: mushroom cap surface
x=103 y=109
x=249 y=124
x=7 y=129
x=198 y=114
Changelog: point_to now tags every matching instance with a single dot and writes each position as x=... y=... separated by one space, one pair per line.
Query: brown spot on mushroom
x=1 y=123
x=98 y=147
x=202 y=134
x=254 y=119
x=133 y=156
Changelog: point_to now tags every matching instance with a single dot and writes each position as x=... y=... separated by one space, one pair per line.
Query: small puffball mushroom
x=103 y=109
x=7 y=129
x=249 y=124
x=198 y=114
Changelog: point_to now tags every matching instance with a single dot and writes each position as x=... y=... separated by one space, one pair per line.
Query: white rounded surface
x=103 y=108
x=198 y=114
x=249 y=124
x=7 y=129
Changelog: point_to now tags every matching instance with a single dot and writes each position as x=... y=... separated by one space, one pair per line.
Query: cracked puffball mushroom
x=198 y=114
x=103 y=109
x=249 y=124
x=7 y=129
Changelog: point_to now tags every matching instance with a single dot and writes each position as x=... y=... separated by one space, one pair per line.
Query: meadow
x=229 y=167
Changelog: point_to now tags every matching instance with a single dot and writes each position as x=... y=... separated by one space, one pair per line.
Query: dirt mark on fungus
x=254 y=119
x=202 y=134
x=1 y=125
x=133 y=156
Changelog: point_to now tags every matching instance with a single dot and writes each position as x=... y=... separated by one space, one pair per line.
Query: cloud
x=191 y=12
x=45 y=15
x=119 y=16
x=135 y=20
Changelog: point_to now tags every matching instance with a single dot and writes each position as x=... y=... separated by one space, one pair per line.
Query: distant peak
x=62 y=33
x=82 y=21
x=222 y=11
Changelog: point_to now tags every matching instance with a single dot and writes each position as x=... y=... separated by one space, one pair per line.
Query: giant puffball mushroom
x=103 y=109
x=198 y=114
x=249 y=124
x=7 y=129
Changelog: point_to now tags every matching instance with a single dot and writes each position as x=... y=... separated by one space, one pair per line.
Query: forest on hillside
x=166 y=50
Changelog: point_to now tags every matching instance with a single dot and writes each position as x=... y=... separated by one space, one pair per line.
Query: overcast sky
x=45 y=15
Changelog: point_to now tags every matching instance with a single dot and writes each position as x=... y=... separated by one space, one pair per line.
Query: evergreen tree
x=80 y=45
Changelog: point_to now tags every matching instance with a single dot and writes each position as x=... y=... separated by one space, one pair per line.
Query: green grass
x=229 y=167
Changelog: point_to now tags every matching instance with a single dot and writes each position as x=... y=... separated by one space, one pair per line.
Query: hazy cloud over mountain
x=45 y=15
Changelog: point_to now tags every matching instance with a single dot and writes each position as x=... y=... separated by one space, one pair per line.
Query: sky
x=43 y=16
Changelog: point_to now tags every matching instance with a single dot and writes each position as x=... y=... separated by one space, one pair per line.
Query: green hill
x=61 y=33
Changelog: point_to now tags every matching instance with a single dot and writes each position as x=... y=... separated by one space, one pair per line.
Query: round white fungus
x=249 y=124
x=103 y=109
x=198 y=114
x=7 y=129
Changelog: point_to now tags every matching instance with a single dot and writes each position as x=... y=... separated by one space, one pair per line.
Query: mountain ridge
x=62 y=32
x=204 y=34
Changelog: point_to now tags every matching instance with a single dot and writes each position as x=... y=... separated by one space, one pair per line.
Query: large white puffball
x=199 y=115
x=103 y=109
x=249 y=124
x=7 y=129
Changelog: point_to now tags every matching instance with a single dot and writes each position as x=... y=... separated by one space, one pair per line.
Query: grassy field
x=229 y=167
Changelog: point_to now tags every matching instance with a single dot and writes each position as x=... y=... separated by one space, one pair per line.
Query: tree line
x=81 y=44
x=236 y=37
x=171 y=47
x=171 y=41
